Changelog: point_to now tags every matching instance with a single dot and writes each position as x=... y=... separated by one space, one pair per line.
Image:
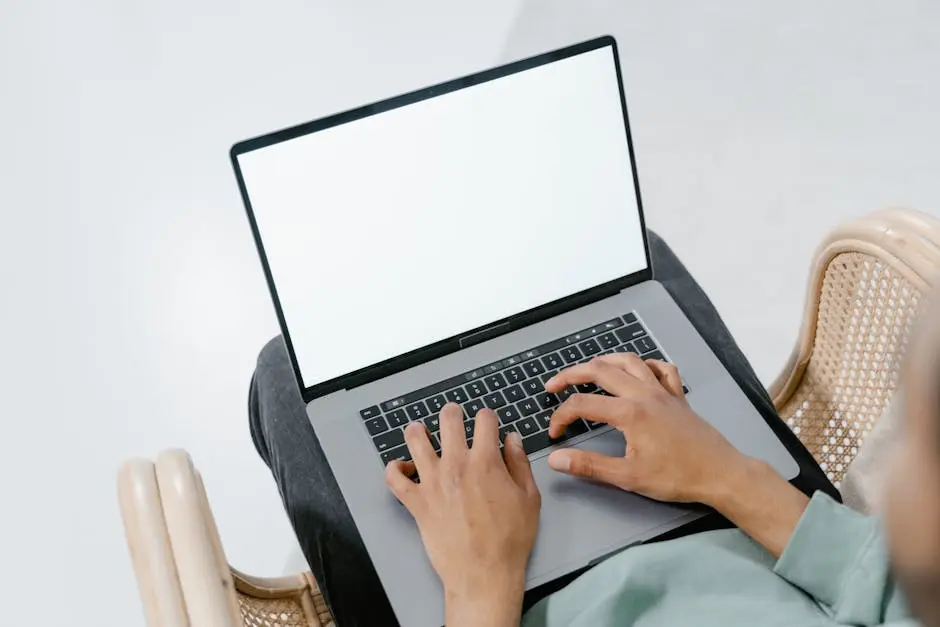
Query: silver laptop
x=463 y=243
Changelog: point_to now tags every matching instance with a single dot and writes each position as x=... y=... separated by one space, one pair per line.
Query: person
x=795 y=556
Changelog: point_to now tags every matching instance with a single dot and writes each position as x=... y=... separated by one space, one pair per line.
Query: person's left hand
x=477 y=514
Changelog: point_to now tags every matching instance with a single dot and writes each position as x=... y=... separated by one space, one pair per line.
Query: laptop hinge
x=485 y=334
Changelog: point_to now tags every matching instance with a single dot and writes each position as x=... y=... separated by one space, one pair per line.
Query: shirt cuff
x=838 y=557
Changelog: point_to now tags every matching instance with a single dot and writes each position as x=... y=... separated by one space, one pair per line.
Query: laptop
x=462 y=243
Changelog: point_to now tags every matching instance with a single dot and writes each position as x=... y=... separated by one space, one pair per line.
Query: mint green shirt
x=834 y=571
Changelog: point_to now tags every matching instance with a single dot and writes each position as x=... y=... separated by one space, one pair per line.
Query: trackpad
x=583 y=520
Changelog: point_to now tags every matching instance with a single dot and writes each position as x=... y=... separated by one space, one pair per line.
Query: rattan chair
x=181 y=570
x=867 y=286
x=866 y=289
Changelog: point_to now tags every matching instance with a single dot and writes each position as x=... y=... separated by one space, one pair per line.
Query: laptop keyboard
x=513 y=387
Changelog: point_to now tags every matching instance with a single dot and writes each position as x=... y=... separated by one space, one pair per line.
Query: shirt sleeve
x=839 y=557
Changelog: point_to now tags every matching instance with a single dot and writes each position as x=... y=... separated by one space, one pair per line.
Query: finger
x=416 y=436
x=397 y=479
x=613 y=379
x=588 y=464
x=486 y=432
x=517 y=463
x=606 y=409
x=453 y=435
x=668 y=376
x=632 y=364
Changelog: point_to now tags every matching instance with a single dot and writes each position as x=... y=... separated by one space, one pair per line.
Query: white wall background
x=133 y=303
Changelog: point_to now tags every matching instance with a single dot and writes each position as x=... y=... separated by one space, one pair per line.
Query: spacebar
x=537 y=442
x=541 y=440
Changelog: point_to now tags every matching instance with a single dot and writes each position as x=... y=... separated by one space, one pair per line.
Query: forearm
x=759 y=502
x=497 y=606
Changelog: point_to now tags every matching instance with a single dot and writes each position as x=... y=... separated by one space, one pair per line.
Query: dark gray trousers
x=327 y=534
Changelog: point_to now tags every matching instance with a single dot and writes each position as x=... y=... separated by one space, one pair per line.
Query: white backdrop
x=134 y=305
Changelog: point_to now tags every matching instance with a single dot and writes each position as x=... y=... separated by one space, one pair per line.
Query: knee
x=273 y=352
x=273 y=362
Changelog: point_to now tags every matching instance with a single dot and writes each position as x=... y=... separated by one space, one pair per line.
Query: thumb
x=517 y=463
x=578 y=463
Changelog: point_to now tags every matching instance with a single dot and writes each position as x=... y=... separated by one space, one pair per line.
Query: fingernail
x=516 y=440
x=550 y=381
x=560 y=461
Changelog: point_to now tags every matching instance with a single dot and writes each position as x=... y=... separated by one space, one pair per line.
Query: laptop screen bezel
x=490 y=330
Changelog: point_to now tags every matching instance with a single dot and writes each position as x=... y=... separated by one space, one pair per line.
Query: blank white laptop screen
x=398 y=230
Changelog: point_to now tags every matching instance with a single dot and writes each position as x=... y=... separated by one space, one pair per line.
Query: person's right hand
x=672 y=454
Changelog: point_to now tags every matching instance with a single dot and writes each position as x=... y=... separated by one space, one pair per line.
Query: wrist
x=734 y=483
x=494 y=601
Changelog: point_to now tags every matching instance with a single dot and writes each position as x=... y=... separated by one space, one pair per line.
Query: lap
x=321 y=520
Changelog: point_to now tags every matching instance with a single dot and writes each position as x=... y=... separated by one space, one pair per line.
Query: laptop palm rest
x=585 y=521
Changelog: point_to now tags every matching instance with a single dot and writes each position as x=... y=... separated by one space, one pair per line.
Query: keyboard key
x=376 y=426
x=472 y=407
x=400 y=452
x=655 y=355
x=527 y=426
x=474 y=374
x=548 y=375
x=457 y=395
x=575 y=428
x=490 y=369
x=571 y=354
x=630 y=318
x=508 y=414
x=645 y=345
x=564 y=394
x=436 y=403
x=389 y=440
x=370 y=412
x=433 y=423
x=612 y=324
x=397 y=418
x=685 y=390
x=395 y=403
x=495 y=382
x=531 y=354
x=468 y=427
x=435 y=443
x=533 y=367
x=608 y=352
x=543 y=418
x=627 y=348
x=509 y=362
x=494 y=400
x=608 y=341
x=514 y=393
x=417 y=411
x=630 y=332
x=536 y=442
x=533 y=386
x=528 y=407
x=546 y=400
x=515 y=375
x=594 y=425
x=586 y=388
x=504 y=431
x=553 y=361
x=475 y=389
x=590 y=347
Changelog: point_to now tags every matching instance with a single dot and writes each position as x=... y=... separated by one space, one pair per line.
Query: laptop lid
x=401 y=231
